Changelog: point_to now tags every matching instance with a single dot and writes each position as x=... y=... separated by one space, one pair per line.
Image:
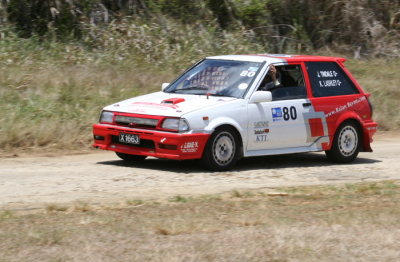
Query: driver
x=271 y=81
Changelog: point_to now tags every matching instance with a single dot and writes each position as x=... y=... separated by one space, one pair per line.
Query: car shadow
x=300 y=160
x=179 y=166
x=295 y=160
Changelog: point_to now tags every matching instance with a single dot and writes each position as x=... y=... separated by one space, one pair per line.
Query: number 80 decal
x=289 y=113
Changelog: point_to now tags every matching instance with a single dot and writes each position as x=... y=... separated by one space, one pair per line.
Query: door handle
x=306 y=104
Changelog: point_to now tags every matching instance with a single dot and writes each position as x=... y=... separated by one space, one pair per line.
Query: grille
x=135 y=121
x=146 y=143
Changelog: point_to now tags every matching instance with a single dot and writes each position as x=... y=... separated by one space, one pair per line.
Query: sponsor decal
x=261 y=124
x=284 y=113
x=344 y=107
x=261 y=128
x=277 y=114
x=261 y=131
x=243 y=86
x=190 y=147
x=253 y=69
x=261 y=138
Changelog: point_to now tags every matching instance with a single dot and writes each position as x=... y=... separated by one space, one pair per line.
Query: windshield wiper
x=217 y=94
x=189 y=88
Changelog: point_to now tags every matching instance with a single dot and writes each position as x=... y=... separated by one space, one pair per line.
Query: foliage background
x=61 y=61
x=367 y=27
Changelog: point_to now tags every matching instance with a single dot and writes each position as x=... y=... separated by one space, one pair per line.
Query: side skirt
x=314 y=147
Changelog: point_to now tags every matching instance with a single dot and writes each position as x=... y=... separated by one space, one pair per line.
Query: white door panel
x=277 y=124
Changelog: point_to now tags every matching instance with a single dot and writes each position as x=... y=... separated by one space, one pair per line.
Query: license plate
x=129 y=139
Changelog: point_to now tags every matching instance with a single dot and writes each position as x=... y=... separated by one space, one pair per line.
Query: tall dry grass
x=380 y=77
x=55 y=106
x=51 y=93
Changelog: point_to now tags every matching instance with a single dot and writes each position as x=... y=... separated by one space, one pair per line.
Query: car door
x=281 y=123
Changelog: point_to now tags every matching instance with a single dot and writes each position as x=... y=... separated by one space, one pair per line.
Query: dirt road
x=101 y=177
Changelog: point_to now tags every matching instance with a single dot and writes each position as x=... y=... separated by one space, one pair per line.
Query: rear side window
x=328 y=79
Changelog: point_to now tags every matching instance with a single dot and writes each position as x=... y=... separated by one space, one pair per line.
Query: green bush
x=364 y=28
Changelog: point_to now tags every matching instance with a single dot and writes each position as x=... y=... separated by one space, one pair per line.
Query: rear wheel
x=130 y=158
x=222 y=150
x=346 y=144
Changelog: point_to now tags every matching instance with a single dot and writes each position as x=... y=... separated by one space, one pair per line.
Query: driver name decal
x=328 y=82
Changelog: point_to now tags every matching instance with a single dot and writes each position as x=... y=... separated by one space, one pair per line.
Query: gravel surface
x=100 y=177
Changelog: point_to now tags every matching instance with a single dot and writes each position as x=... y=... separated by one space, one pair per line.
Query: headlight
x=106 y=117
x=175 y=124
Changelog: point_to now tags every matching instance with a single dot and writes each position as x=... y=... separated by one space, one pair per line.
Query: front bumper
x=153 y=143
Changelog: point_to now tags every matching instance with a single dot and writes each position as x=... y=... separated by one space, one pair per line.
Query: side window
x=328 y=79
x=288 y=83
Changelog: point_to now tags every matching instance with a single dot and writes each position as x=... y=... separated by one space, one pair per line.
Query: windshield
x=216 y=77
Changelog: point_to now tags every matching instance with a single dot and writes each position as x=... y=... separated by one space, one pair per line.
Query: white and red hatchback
x=227 y=107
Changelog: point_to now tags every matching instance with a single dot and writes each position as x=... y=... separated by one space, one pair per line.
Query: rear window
x=328 y=79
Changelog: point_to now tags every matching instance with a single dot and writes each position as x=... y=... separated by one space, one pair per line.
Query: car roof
x=279 y=58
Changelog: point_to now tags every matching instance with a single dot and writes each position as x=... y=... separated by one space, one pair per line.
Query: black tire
x=346 y=143
x=130 y=158
x=222 y=150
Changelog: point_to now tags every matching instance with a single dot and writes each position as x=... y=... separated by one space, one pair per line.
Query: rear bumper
x=153 y=143
x=369 y=129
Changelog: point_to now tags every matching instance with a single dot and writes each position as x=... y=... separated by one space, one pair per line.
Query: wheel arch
x=235 y=129
x=364 y=145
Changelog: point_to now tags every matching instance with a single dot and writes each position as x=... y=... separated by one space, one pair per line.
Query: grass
x=55 y=208
x=55 y=106
x=315 y=223
x=380 y=78
x=51 y=93
x=179 y=198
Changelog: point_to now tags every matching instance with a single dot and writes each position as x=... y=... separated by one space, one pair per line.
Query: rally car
x=224 y=108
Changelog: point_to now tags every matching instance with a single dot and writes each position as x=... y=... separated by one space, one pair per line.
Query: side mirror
x=260 y=97
x=164 y=85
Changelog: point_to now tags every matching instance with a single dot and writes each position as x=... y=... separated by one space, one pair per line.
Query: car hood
x=166 y=104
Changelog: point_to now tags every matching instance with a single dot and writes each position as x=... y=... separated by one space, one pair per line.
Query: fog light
x=98 y=137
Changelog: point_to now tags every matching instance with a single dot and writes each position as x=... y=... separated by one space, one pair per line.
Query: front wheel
x=346 y=144
x=130 y=158
x=222 y=150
